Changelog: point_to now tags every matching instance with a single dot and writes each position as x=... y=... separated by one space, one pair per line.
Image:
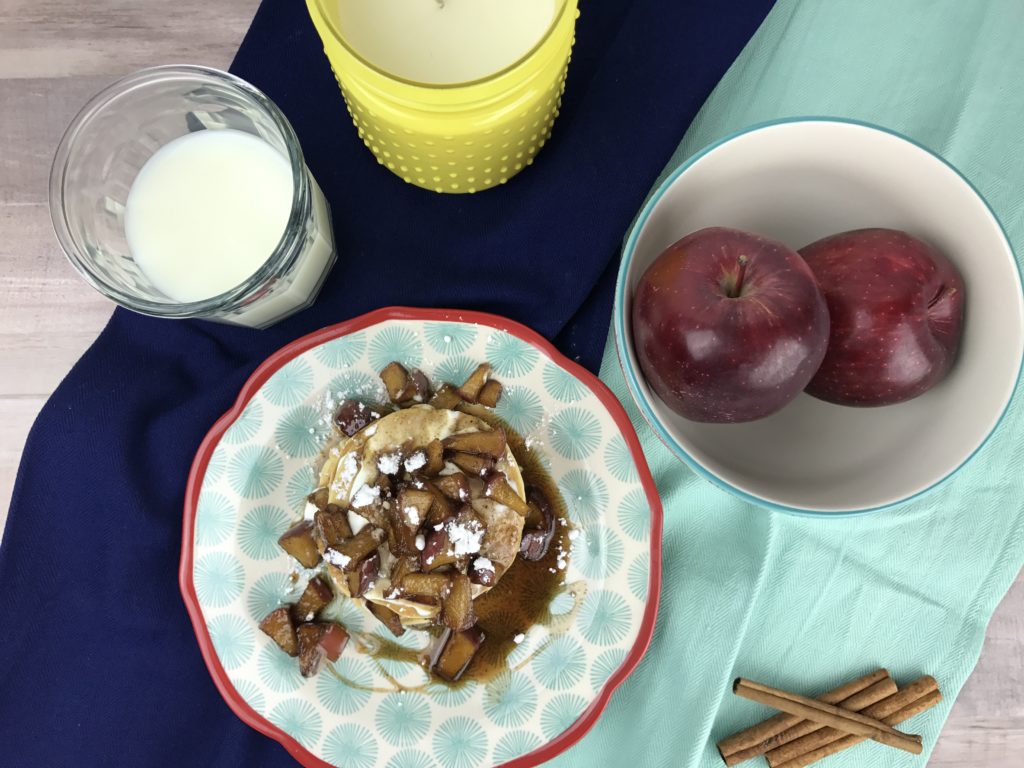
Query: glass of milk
x=182 y=192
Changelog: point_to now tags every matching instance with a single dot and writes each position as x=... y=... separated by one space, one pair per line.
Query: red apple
x=728 y=326
x=897 y=308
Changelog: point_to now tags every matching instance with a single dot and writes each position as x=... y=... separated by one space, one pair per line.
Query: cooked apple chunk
x=429 y=585
x=402 y=535
x=299 y=542
x=473 y=464
x=278 y=626
x=537 y=540
x=319 y=498
x=363 y=577
x=453 y=652
x=457 y=606
x=387 y=617
x=418 y=390
x=333 y=640
x=434 y=453
x=500 y=491
x=490 y=393
x=352 y=416
x=446 y=398
x=455 y=487
x=396 y=381
x=490 y=444
x=331 y=526
x=470 y=389
x=352 y=551
x=315 y=598
x=437 y=552
x=311 y=655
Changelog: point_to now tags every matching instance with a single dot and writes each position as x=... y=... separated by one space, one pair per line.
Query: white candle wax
x=449 y=41
x=208 y=209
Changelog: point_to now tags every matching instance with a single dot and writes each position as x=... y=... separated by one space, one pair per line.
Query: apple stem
x=737 y=287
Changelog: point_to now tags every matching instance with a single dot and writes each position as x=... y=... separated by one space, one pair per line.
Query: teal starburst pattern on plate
x=215 y=518
x=348 y=614
x=575 y=433
x=216 y=465
x=509 y=355
x=232 y=638
x=585 y=494
x=460 y=743
x=301 y=432
x=635 y=514
x=449 y=696
x=259 y=531
x=525 y=649
x=454 y=370
x=290 y=385
x=515 y=744
x=561 y=712
x=604 y=667
x=269 y=592
x=277 y=670
x=397 y=667
x=251 y=693
x=411 y=758
x=521 y=408
x=639 y=576
x=562 y=385
x=450 y=338
x=246 y=425
x=597 y=552
x=561 y=664
x=299 y=719
x=356 y=385
x=218 y=579
x=343 y=352
x=619 y=460
x=300 y=485
x=510 y=699
x=395 y=343
x=561 y=604
x=403 y=718
x=343 y=697
x=604 y=617
x=255 y=471
x=351 y=746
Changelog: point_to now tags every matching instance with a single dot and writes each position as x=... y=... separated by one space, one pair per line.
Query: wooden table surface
x=54 y=54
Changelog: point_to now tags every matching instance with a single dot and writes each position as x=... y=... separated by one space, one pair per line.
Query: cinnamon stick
x=915 y=698
x=836 y=717
x=767 y=735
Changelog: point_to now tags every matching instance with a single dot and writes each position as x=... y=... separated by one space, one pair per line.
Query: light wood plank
x=54 y=54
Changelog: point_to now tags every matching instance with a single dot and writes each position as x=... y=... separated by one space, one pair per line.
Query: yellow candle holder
x=462 y=137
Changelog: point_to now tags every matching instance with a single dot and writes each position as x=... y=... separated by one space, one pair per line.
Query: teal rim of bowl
x=631 y=376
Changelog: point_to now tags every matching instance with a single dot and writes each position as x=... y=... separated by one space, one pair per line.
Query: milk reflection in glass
x=208 y=209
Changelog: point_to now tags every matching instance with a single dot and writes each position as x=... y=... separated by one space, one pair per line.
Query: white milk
x=206 y=211
x=449 y=41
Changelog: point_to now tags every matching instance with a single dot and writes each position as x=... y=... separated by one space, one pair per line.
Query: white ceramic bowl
x=796 y=181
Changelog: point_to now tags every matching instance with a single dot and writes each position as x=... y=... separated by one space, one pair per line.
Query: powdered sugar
x=465 y=538
x=365 y=496
x=389 y=463
x=336 y=558
x=416 y=461
x=483 y=564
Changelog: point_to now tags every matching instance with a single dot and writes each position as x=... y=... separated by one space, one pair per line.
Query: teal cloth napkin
x=807 y=604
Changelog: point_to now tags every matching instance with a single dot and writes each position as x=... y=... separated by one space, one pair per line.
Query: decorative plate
x=249 y=480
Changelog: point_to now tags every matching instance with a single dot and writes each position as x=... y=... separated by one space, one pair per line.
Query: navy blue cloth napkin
x=98 y=663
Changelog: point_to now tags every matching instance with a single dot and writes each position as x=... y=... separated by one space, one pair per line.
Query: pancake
x=352 y=466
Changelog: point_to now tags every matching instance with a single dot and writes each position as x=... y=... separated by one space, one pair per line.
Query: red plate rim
x=282 y=356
